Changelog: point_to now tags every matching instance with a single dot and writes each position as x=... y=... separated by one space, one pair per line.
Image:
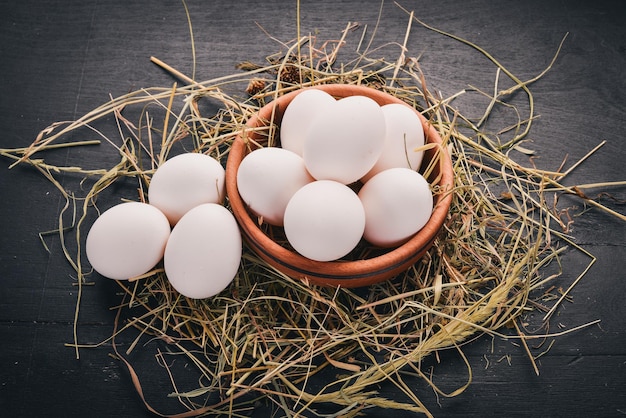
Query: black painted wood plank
x=60 y=59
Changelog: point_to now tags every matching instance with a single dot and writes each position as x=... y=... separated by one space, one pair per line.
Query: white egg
x=345 y=141
x=398 y=203
x=266 y=180
x=184 y=182
x=298 y=116
x=127 y=240
x=404 y=133
x=324 y=220
x=203 y=252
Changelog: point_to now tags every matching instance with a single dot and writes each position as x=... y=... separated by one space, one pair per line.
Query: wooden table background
x=60 y=59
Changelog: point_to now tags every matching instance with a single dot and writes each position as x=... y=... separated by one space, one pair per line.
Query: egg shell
x=404 y=133
x=324 y=220
x=203 y=252
x=299 y=115
x=127 y=240
x=184 y=182
x=398 y=203
x=266 y=180
x=345 y=140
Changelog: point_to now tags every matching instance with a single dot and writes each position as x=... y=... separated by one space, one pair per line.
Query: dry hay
x=303 y=348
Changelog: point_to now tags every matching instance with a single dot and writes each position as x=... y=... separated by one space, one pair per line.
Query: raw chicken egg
x=203 y=252
x=345 y=140
x=404 y=134
x=324 y=220
x=298 y=117
x=184 y=182
x=127 y=240
x=398 y=203
x=266 y=180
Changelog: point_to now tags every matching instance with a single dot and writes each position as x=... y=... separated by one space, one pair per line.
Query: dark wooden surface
x=60 y=59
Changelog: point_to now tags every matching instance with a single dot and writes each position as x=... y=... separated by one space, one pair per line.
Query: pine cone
x=290 y=74
x=255 y=86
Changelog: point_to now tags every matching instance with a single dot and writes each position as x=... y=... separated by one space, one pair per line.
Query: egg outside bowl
x=344 y=273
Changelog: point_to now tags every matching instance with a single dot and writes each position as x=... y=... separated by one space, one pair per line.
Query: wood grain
x=60 y=59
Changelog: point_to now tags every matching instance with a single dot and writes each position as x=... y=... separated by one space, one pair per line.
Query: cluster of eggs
x=184 y=224
x=346 y=170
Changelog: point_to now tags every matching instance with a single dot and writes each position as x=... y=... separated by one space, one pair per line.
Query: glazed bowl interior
x=366 y=265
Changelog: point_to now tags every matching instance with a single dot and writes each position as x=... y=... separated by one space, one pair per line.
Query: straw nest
x=304 y=349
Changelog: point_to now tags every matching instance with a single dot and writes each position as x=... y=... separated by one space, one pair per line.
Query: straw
x=298 y=348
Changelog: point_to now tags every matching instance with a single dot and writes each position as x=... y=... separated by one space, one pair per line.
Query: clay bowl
x=345 y=273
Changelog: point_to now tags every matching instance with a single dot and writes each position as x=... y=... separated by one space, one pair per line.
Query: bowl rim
x=353 y=273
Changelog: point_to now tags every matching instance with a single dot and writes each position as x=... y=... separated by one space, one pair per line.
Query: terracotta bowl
x=346 y=273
